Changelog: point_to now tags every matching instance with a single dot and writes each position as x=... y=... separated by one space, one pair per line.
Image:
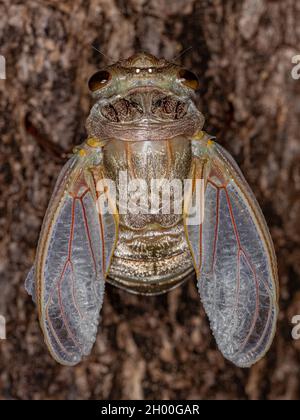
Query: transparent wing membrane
x=73 y=258
x=234 y=259
x=30 y=283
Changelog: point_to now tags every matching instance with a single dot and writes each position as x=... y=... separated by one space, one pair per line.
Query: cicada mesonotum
x=145 y=123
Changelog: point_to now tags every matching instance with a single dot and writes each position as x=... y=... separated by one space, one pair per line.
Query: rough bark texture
x=158 y=347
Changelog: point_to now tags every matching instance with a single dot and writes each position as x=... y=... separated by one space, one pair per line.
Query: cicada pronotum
x=144 y=121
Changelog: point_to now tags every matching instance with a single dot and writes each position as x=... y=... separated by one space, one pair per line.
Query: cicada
x=144 y=122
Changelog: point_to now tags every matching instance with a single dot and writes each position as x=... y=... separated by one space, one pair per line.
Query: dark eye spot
x=99 y=80
x=168 y=108
x=122 y=110
x=109 y=112
x=137 y=107
x=169 y=105
x=121 y=107
x=189 y=79
x=181 y=110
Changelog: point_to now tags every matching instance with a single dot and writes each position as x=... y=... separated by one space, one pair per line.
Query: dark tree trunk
x=159 y=347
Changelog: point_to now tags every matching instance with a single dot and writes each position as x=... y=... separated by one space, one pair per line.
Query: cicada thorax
x=152 y=254
x=145 y=164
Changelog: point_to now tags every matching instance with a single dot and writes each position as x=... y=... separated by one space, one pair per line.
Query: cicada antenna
x=181 y=54
x=109 y=59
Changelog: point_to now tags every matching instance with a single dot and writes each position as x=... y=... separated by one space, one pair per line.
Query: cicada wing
x=234 y=259
x=30 y=283
x=73 y=258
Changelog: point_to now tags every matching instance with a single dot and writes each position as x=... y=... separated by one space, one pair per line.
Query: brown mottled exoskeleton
x=145 y=123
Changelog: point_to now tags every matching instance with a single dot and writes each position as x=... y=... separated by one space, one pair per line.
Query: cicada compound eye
x=189 y=79
x=99 y=80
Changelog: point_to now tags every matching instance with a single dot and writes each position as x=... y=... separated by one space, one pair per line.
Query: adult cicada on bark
x=145 y=123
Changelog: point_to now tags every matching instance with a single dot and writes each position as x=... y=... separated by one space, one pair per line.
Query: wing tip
x=30 y=283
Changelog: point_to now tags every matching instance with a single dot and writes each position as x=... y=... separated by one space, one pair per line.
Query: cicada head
x=143 y=98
